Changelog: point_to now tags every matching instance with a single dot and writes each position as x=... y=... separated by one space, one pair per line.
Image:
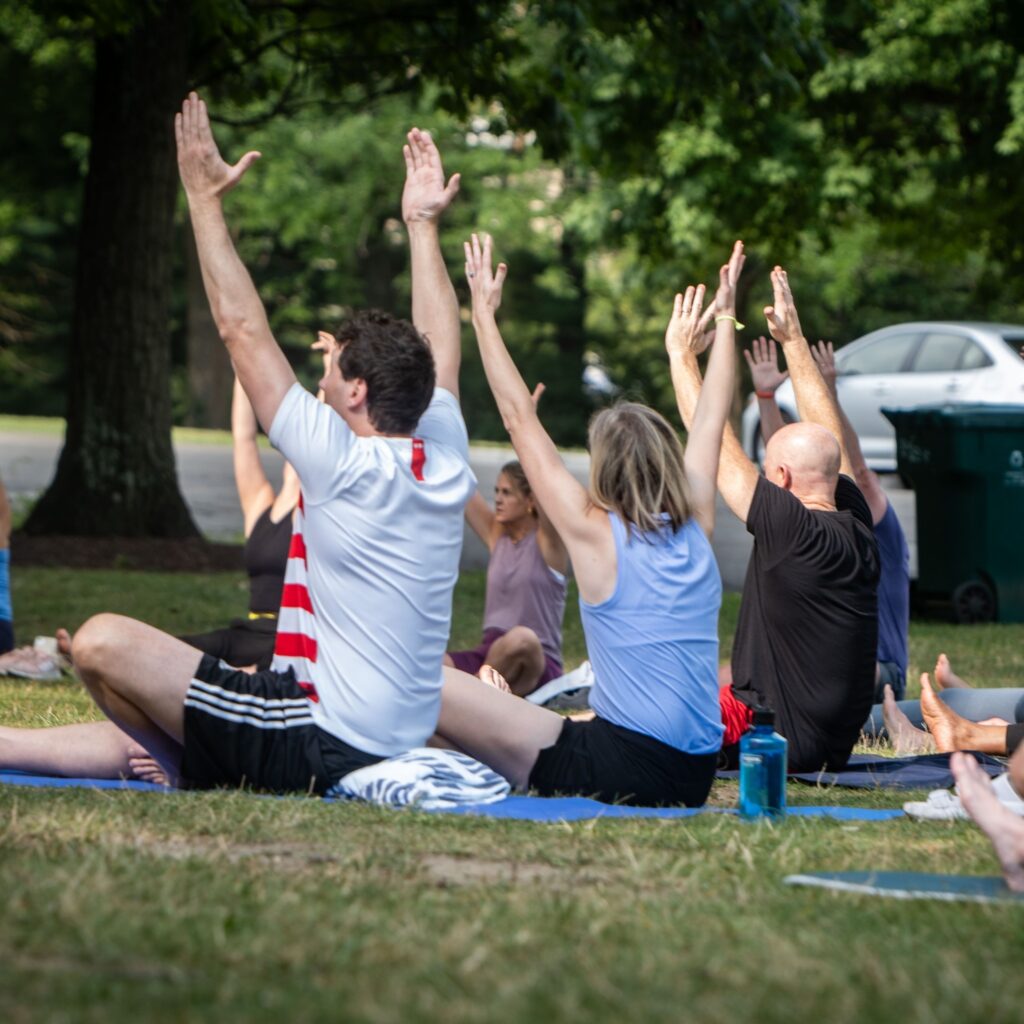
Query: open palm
x=425 y=196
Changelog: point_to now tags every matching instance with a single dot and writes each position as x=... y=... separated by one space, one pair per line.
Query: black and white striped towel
x=428 y=778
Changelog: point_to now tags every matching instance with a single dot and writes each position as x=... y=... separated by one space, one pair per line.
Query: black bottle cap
x=763 y=715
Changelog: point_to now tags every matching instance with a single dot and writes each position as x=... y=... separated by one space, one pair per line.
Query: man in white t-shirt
x=366 y=606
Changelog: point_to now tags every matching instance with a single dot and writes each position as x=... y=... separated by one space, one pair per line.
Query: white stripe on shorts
x=261 y=712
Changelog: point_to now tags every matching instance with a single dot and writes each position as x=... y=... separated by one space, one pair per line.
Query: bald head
x=804 y=458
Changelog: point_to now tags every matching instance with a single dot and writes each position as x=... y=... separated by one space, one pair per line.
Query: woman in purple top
x=522 y=637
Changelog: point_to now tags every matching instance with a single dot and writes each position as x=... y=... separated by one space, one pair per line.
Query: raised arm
x=584 y=529
x=736 y=474
x=683 y=339
x=763 y=359
x=255 y=493
x=868 y=482
x=435 y=307
x=814 y=401
x=260 y=364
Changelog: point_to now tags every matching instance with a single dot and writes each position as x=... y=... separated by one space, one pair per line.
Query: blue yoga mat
x=517 y=808
x=911 y=885
x=864 y=771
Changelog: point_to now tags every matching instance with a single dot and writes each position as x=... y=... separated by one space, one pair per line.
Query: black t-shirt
x=808 y=625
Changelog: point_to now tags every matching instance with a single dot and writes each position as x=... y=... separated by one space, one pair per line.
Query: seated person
x=366 y=605
x=6 y=613
x=808 y=626
x=267 y=521
x=522 y=637
x=893 y=552
x=649 y=586
x=1004 y=828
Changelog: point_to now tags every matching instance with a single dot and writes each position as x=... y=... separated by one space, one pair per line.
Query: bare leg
x=139 y=677
x=93 y=750
x=519 y=657
x=904 y=736
x=946 y=678
x=953 y=732
x=497 y=728
x=1004 y=828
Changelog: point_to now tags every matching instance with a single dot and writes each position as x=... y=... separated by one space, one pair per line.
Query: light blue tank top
x=654 y=643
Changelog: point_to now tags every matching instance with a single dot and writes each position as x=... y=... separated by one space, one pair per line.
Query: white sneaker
x=578 y=678
x=944 y=805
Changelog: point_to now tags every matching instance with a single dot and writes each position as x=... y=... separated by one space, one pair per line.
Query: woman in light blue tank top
x=649 y=587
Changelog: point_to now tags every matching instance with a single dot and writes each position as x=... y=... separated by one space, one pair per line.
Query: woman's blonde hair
x=636 y=467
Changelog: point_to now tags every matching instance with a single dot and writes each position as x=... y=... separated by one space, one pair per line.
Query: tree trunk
x=116 y=475
x=210 y=377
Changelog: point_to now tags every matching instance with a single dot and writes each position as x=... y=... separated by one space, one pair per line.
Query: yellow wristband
x=725 y=316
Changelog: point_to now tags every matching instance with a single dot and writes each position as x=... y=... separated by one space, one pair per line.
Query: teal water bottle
x=762 y=769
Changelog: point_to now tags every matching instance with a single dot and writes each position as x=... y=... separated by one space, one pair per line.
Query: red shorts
x=736 y=716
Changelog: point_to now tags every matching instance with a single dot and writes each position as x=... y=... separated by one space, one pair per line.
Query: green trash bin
x=966 y=465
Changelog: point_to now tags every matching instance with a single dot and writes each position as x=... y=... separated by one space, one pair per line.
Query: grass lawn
x=226 y=906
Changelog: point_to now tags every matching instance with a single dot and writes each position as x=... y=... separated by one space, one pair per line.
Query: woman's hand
x=685 y=332
x=484 y=283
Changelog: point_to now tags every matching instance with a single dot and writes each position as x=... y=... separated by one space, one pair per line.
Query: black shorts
x=618 y=765
x=256 y=730
x=6 y=636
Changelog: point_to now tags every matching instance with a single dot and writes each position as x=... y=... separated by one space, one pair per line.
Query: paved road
x=28 y=461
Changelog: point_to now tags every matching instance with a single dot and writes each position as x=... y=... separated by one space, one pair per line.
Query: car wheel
x=974 y=601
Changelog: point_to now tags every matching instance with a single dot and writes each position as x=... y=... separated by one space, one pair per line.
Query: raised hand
x=783 y=322
x=763 y=359
x=685 y=333
x=425 y=196
x=484 y=283
x=325 y=344
x=728 y=278
x=204 y=172
x=825 y=357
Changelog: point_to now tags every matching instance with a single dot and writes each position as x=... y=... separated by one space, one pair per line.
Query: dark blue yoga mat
x=517 y=808
x=865 y=771
x=911 y=885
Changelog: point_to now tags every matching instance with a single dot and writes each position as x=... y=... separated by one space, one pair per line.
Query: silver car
x=907 y=365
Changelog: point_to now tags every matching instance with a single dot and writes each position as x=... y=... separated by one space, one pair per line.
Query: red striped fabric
x=419 y=458
x=297 y=548
x=296 y=595
x=310 y=691
x=295 y=645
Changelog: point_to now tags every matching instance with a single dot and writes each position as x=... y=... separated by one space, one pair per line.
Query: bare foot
x=946 y=678
x=64 y=644
x=905 y=737
x=949 y=730
x=490 y=675
x=1004 y=829
x=145 y=768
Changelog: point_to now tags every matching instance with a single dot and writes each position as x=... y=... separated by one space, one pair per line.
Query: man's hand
x=425 y=196
x=728 y=278
x=484 y=284
x=783 y=322
x=685 y=334
x=825 y=357
x=204 y=172
x=763 y=359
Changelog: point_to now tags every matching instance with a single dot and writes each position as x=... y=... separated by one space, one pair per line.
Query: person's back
x=654 y=642
x=807 y=632
x=366 y=607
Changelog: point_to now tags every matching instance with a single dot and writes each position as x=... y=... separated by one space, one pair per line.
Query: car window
x=940 y=352
x=1016 y=342
x=886 y=355
x=974 y=357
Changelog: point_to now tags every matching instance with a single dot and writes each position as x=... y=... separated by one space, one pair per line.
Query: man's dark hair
x=395 y=361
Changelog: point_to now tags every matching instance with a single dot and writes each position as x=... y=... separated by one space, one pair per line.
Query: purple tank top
x=522 y=590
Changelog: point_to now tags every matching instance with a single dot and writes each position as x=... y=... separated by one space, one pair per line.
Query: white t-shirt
x=367 y=601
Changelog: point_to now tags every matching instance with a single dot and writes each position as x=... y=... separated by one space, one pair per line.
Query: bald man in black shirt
x=808 y=625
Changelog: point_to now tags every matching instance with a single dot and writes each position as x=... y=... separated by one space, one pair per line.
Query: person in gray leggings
x=904 y=722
